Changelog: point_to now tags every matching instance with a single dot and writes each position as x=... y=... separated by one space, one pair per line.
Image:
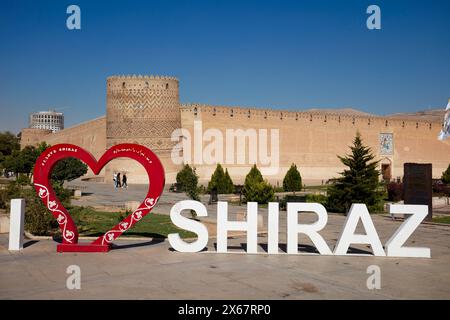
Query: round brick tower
x=143 y=110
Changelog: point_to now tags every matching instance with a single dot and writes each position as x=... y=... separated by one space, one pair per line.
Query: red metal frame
x=42 y=174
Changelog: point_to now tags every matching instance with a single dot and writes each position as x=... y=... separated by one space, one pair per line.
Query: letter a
x=74 y=20
x=374 y=20
x=74 y=280
x=374 y=280
x=358 y=211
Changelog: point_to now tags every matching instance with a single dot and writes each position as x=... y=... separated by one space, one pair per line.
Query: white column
x=16 y=222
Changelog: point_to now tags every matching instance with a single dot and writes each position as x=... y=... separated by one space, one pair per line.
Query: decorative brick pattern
x=144 y=110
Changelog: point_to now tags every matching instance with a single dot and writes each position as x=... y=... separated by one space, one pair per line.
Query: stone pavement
x=146 y=270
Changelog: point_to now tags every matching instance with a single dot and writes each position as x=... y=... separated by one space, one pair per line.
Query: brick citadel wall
x=90 y=135
x=312 y=140
x=32 y=136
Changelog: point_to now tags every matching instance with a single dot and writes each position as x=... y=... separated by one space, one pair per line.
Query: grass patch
x=95 y=223
x=442 y=219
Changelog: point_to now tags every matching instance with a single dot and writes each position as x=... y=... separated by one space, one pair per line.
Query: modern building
x=47 y=120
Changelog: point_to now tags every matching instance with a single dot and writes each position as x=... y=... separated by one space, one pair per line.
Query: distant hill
x=432 y=115
x=343 y=111
x=424 y=115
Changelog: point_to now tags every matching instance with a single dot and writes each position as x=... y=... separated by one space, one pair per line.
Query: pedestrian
x=118 y=180
x=115 y=179
x=124 y=181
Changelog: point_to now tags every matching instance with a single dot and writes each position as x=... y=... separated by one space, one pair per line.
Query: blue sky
x=280 y=54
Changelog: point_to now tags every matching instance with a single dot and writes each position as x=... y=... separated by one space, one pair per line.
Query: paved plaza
x=150 y=269
x=104 y=196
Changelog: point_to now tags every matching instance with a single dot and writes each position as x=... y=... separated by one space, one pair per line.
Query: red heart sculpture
x=42 y=173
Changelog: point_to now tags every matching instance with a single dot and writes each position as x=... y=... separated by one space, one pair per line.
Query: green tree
x=358 y=183
x=446 y=176
x=220 y=181
x=292 y=180
x=8 y=143
x=68 y=169
x=187 y=181
x=254 y=176
x=42 y=147
x=21 y=161
x=256 y=189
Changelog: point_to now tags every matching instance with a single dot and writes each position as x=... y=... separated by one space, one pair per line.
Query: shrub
x=23 y=179
x=317 y=198
x=187 y=181
x=254 y=176
x=292 y=180
x=220 y=181
x=62 y=194
x=13 y=190
x=3 y=199
x=441 y=190
x=278 y=189
x=291 y=198
x=201 y=189
x=123 y=215
x=256 y=189
x=38 y=220
x=446 y=176
x=261 y=192
x=395 y=191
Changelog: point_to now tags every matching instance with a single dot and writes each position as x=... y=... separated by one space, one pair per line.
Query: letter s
x=188 y=224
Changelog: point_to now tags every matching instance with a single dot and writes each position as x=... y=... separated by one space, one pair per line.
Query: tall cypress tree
x=358 y=183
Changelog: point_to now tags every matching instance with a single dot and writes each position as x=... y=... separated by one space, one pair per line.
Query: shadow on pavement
x=136 y=245
x=29 y=243
x=302 y=248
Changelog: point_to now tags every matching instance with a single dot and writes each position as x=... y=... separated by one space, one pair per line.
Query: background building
x=47 y=120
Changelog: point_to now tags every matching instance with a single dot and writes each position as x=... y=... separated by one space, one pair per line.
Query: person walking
x=124 y=181
x=115 y=179
x=118 y=180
